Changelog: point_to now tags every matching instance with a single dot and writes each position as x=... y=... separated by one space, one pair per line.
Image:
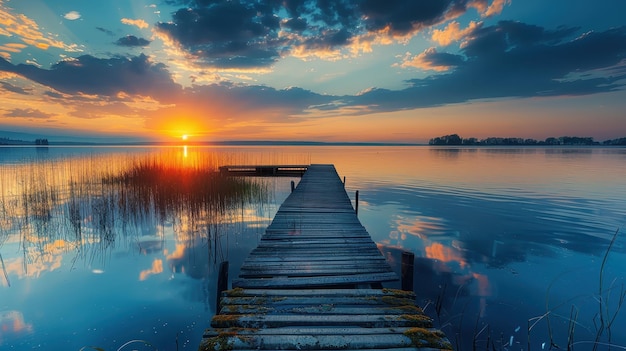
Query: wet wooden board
x=310 y=284
x=321 y=319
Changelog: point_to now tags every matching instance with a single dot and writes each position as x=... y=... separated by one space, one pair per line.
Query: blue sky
x=343 y=70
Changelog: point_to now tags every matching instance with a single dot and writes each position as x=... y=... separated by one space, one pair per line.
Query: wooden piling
x=356 y=203
x=222 y=284
x=408 y=259
x=293 y=185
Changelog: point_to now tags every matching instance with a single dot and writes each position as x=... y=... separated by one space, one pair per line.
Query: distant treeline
x=7 y=141
x=455 y=139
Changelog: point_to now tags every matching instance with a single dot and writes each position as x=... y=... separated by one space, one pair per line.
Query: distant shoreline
x=291 y=143
x=212 y=143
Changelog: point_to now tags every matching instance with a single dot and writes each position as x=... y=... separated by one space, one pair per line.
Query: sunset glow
x=354 y=71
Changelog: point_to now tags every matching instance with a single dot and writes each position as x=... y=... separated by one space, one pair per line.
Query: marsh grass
x=89 y=205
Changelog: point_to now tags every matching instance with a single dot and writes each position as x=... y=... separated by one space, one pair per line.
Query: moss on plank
x=421 y=337
x=221 y=342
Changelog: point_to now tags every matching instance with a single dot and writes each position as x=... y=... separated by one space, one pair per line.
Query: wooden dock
x=265 y=170
x=315 y=283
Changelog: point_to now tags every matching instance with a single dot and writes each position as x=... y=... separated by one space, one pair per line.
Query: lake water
x=509 y=243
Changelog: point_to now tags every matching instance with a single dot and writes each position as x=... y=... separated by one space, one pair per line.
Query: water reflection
x=90 y=205
x=503 y=236
x=100 y=247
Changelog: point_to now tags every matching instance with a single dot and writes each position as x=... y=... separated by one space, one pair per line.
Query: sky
x=314 y=70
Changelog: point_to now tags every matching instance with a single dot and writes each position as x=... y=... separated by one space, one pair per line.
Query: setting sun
x=185 y=136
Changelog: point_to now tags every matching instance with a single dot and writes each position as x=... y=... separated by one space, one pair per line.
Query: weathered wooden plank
x=324 y=309
x=315 y=281
x=338 y=257
x=266 y=273
x=277 y=321
x=314 y=241
x=318 y=300
x=249 y=267
x=320 y=342
x=325 y=266
x=319 y=293
x=314 y=251
x=307 y=331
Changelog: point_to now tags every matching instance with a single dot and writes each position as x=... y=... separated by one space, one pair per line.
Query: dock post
x=408 y=259
x=344 y=181
x=222 y=284
x=293 y=185
x=356 y=203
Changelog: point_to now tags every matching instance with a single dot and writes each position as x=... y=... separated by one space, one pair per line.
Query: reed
x=92 y=203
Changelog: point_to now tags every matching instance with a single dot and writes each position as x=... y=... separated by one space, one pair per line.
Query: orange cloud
x=139 y=23
x=422 y=61
x=178 y=253
x=496 y=7
x=446 y=254
x=27 y=30
x=157 y=267
x=418 y=226
x=453 y=32
x=12 y=322
x=487 y=10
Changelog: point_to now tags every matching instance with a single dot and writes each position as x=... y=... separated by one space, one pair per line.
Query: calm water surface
x=503 y=238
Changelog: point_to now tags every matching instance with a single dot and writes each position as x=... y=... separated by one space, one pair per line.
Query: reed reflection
x=89 y=205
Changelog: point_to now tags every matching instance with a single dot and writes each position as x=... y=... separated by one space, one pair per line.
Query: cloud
x=157 y=267
x=28 y=113
x=105 y=31
x=90 y=75
x=72 y=15
x=430 y=59
x=257 y=33
x=226 y=34
x=19 y=26
x=11 y=48
x=453 y=32
x=131 y=40
x=14 y=89
x=505 y=60
x=511 y=60
x=139 y=23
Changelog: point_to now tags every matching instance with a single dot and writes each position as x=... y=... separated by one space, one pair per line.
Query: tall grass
x=90 y=204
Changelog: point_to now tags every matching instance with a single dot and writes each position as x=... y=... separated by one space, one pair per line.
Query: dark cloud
x=405 y=16
x=14 y=89
x=225 y=33
x=105 y=31
x=28 y=113
x=443 y=59
x=296 y=24
x=132 y=41
x=503 y=61
x=91 y=75
x=256 y=100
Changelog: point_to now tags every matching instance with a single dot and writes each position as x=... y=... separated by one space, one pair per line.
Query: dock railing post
x=356 y=203
x=293 y=185
x=222 y=284
x=408 y=260
x=344 y=181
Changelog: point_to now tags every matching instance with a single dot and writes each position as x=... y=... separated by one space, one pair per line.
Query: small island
x=455 y=139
